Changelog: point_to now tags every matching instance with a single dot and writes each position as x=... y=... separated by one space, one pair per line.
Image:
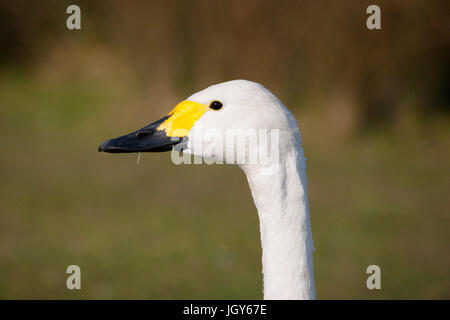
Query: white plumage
x=279 y=189
x=280 y=197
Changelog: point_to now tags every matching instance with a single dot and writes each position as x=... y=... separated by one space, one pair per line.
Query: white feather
x=281 y=197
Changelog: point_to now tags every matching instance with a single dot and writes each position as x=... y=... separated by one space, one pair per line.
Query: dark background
x=372 y=107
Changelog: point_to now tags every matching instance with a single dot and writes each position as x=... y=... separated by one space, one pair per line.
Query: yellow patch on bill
x=182 y=118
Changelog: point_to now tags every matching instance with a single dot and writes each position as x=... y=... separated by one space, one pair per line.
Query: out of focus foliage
x=299 y=48
x=372 y=107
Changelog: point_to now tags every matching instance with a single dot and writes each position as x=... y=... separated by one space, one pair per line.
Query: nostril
x=143 y=134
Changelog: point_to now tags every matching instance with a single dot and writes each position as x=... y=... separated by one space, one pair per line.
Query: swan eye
x=216 y=105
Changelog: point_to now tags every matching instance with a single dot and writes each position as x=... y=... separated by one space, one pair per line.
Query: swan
x=280 y=194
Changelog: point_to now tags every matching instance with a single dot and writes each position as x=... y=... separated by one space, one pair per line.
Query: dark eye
x=216 y=105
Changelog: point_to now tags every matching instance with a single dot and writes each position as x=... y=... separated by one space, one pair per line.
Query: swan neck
x=281 y=199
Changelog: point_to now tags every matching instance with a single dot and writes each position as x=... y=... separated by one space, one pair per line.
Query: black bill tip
x=111 y=146
x=104 y=146
x=147 y=139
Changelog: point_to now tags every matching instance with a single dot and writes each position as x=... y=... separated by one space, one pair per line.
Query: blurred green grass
x=156 y=230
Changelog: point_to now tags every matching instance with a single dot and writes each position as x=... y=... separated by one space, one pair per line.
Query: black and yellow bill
x=161 y=135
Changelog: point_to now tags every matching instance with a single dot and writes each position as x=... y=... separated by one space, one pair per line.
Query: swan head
x=205 y=123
